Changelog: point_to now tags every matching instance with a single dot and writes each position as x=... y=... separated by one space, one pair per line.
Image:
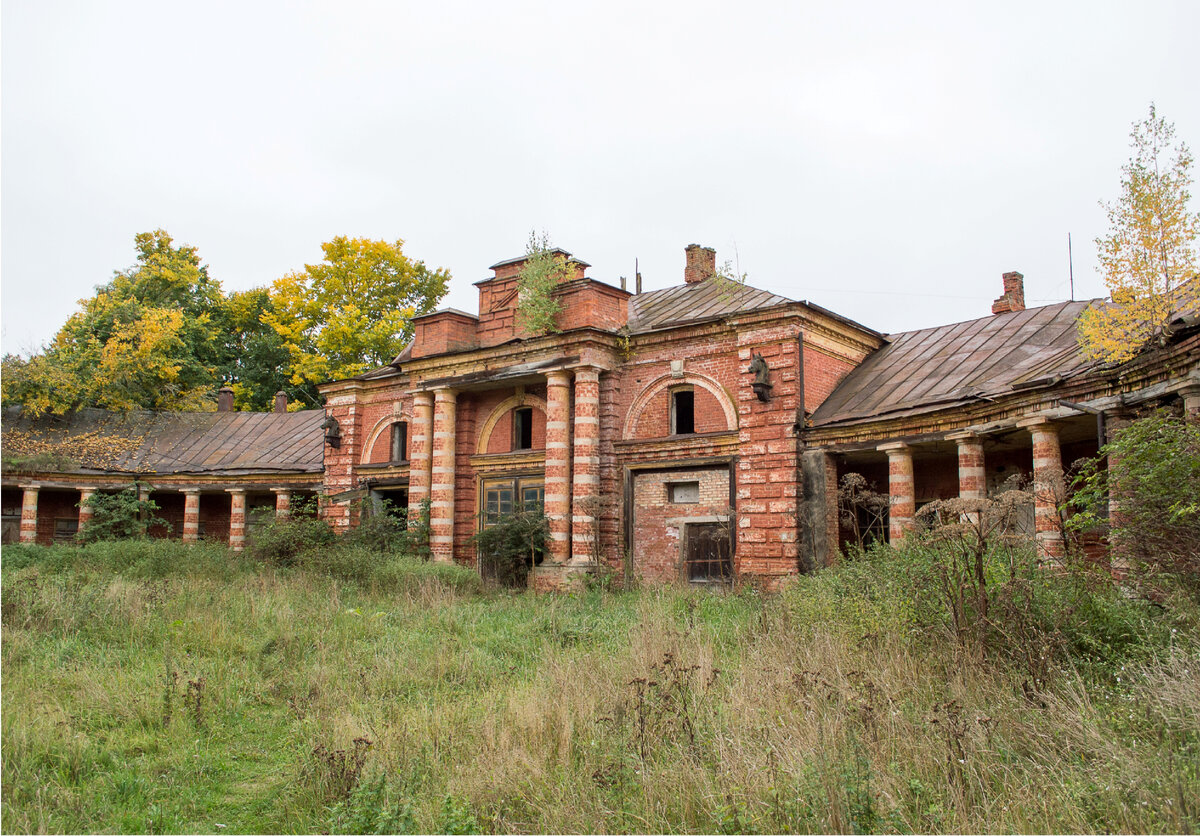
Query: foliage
x=1148 y=258
x=1152 y=479
x=545 y=268
x=282 y=541
x=162 y=335
x=144 y=341
x=840 y=704
x=118 y=516
x=512 y=545
x=353 y=311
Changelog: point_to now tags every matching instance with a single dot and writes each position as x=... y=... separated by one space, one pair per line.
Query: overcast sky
x=888 y=160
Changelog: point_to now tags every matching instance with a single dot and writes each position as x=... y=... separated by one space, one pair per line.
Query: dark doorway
x=707 y=553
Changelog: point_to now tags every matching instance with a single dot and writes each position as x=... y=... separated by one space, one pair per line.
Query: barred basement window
x=683 y=411
x=400 y=441
x=523 y=428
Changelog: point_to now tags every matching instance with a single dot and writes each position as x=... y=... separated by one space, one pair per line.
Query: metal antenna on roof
x=1071 y=263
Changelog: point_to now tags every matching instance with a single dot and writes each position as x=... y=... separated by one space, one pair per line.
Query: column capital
x=29 y=486
x=964 y=435
x=1041 y=422
x=283 y=490
x=423 y=397
x=234 y=491
x=585 y=368
x=894 y=448
x=558 y=377
x=186 y=491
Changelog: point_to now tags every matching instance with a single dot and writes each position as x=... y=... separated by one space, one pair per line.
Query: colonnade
x=572 y=466
x=191 y=511
x=1048 y=487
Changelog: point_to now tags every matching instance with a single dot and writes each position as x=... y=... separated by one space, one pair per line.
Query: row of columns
x=569 y=502
x=191 y=512
x=1048 y=490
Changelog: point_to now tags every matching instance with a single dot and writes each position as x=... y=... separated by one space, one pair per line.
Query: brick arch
x=502 y=408
x=657 y=386
x=382 y=424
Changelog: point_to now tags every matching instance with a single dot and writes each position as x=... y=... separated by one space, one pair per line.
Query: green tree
x=146 y=340
x=255 y=362
x=1148 y=258
x=545 y=268
x=352 y=312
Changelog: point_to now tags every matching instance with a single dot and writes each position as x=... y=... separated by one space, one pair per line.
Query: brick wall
x=659 y=523
x=438 y=333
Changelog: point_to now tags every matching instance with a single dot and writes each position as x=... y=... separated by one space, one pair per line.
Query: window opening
x=502 y=497
x=683 y=412
x=523 y=428
x=400 y=441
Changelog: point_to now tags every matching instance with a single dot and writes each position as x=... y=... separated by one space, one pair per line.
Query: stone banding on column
x=586 y=465
x=85 y=509
x=902 y=502
x=191 y=516
x=558 y=465
x=1048 y=486
x=441 y=488
x=420 y=452
x=237 y=518
x=29 y=513
x=283 y=502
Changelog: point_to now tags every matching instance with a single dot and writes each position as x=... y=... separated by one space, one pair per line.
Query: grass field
x=149 y=687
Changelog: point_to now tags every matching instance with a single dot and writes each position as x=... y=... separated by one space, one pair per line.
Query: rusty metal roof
x=228 y=443
x=918 y=371
x=714 y=297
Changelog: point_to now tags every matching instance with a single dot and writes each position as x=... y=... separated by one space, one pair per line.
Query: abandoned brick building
x=694 y=432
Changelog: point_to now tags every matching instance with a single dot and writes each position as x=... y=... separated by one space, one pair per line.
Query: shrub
x=282 y=540
x=511 y=546
x=118 y=516
x=1153 y=478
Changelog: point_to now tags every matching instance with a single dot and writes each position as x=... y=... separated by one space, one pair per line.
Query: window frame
x=522 y=428
x=398 y=428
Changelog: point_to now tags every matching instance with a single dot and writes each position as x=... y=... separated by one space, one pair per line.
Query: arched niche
x=662 y=386
x=502 y=409
x=380 y=434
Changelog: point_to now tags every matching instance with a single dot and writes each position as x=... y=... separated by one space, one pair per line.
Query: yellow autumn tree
x=353 y=311
x=1148 y=258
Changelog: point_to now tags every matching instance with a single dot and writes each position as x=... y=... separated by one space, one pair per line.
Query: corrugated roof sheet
x=233 y=443
x=938 y=367
x=708 y=299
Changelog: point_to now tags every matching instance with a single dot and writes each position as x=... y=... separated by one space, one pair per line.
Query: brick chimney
x=1014 y=294
x=281 y=401
x=224 y=399
x=701 y=263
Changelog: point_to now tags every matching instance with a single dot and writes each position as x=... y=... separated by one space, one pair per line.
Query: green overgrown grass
x=155 y=687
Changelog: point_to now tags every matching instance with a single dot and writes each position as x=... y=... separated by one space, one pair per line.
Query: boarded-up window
x=684 y=492
x=65 y=528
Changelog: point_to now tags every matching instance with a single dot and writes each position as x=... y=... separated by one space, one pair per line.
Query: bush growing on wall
x=509 y=547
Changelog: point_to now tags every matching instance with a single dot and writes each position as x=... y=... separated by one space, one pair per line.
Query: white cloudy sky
x=887 y=160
